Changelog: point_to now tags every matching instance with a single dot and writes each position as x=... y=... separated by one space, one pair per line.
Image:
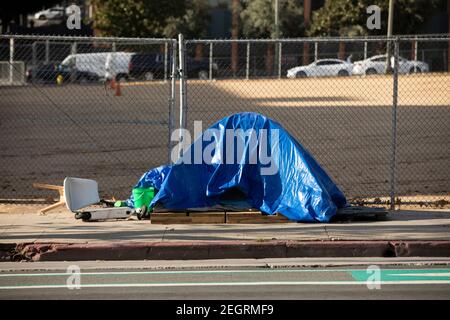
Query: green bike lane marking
x=399 y=275
x=357 y=277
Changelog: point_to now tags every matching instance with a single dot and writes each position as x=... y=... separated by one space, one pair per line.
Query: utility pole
x=277 y=22
x=276 y=34
x=307 y=20
x=234 y=35
x=448 y=51
x=389 y=34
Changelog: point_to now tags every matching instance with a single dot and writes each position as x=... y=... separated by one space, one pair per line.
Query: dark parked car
x=49 y=73
x=149 y=66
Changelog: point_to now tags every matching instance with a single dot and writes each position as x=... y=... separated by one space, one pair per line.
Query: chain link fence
x=423 y=123
x=86 y=107
x=382 y=136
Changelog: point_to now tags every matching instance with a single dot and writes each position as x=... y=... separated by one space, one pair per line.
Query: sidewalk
x=40 y=237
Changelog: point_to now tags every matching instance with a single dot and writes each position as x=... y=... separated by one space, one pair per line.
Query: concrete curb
x=202 y=250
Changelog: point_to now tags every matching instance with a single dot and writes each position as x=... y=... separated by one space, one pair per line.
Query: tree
x=258 y=21
x=349 y=17
x=236 y=9
x=192 y=24
x=150 y=18
x=135 y=18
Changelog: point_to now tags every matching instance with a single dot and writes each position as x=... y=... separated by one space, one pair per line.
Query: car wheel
x=416 y=70
x=203 y=75
x=301 y=74
x=149 y=76
x=83 y=80
x=371 y=71
x=343 y=73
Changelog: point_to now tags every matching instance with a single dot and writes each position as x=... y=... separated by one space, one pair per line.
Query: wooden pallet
x=357 y=213
x=216 y=218
x=255 y=217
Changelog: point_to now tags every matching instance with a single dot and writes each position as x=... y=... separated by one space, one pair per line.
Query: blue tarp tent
x=247 y=160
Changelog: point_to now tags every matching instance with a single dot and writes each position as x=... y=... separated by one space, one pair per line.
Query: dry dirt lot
x=49 y=132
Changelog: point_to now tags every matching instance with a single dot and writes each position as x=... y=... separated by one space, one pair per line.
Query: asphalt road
x=392 y=282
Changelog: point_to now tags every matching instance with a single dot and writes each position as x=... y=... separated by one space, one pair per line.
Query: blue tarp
x=272 y=171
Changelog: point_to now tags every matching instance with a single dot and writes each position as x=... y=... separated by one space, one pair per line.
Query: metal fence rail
x=381 y=136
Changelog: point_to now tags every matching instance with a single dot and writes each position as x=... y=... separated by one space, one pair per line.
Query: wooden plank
x=48 y=186
x=360 y=213
x=201 y=217
x=217 y=218
x=169 y=218
x=360 y=209
x=255 y=217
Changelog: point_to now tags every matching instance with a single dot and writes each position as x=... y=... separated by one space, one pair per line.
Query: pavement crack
x=164 y=233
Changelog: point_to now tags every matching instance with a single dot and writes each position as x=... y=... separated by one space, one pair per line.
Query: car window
x=327 y=62
x=380 y=59
x=64 y=68
x=144 y=58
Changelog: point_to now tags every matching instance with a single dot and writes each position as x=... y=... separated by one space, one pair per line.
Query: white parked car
x=377 y=65
x=105 y=65
x=322 y=68
x=49 y=14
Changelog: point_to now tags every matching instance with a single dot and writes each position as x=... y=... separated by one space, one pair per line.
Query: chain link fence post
x=47 y=51
x=247 y=61
x=394 y=123
x=166 y=53
x=11 y=60
x=182 y=74
x=173 y=75
x=210 y=61
x=280 y=48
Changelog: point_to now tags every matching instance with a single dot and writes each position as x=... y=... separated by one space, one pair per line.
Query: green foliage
x=258 y=19
x=349 y=17
x=151 y=18
x=193 y=23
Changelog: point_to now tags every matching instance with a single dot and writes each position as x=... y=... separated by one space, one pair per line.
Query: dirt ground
x=49 y=132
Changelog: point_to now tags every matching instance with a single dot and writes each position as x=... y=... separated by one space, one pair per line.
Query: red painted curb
x=201 y=250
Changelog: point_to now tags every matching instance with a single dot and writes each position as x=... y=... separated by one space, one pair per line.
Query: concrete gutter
x=203 y=250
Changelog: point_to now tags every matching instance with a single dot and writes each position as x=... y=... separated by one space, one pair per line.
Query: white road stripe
x=8 y=275
x=219 y=284
x=437 y=274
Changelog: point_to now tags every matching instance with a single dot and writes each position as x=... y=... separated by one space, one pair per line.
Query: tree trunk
x=234 y=35
x=307 y=20
x=269 y=58
x=198 y=51
x=341 y=50
x=305 y=53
